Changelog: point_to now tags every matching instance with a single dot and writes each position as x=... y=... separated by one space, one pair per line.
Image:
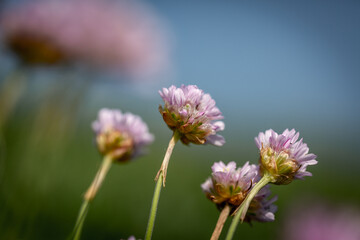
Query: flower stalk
x=240 y=213
x=220 y=223
x=90 y=195
x=80 y=220
x=153 y=210
x=99 y=178
x=165 y=163
x=160 y=178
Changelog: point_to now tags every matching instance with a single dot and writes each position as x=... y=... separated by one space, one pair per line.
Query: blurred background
x=268 y=64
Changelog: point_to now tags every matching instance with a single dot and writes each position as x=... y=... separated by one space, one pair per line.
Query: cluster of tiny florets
x=283 y=156
x=228 y=185
x=123 y=135
x=193 y=114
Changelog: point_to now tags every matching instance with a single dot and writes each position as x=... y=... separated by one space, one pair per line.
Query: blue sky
x=269 y=61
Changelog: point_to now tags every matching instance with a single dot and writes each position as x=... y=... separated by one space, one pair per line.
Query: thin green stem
x=160 y=178
x=81 y=219
x=241 y=211
x=90 y=195
x=153 y=210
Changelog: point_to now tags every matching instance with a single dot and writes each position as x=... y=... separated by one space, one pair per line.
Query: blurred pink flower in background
x=124 y=35
x=315 y=220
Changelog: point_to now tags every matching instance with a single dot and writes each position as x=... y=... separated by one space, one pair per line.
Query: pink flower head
x=193 y=114
x=283 y=156
x=229 y=185
x=123 y=135
x=117 y=35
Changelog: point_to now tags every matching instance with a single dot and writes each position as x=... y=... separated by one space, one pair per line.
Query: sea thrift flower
x=122 y=35
x=319 y=221
x=230 y=186
x=283 y=157
x=122 y=135
x=192 y=114
x=119 y=137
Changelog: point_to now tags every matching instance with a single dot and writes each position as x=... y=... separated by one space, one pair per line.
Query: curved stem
x=240 y=213
x=90 y=195
x=220 y=223
x=160 y=178
x=165 y=163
